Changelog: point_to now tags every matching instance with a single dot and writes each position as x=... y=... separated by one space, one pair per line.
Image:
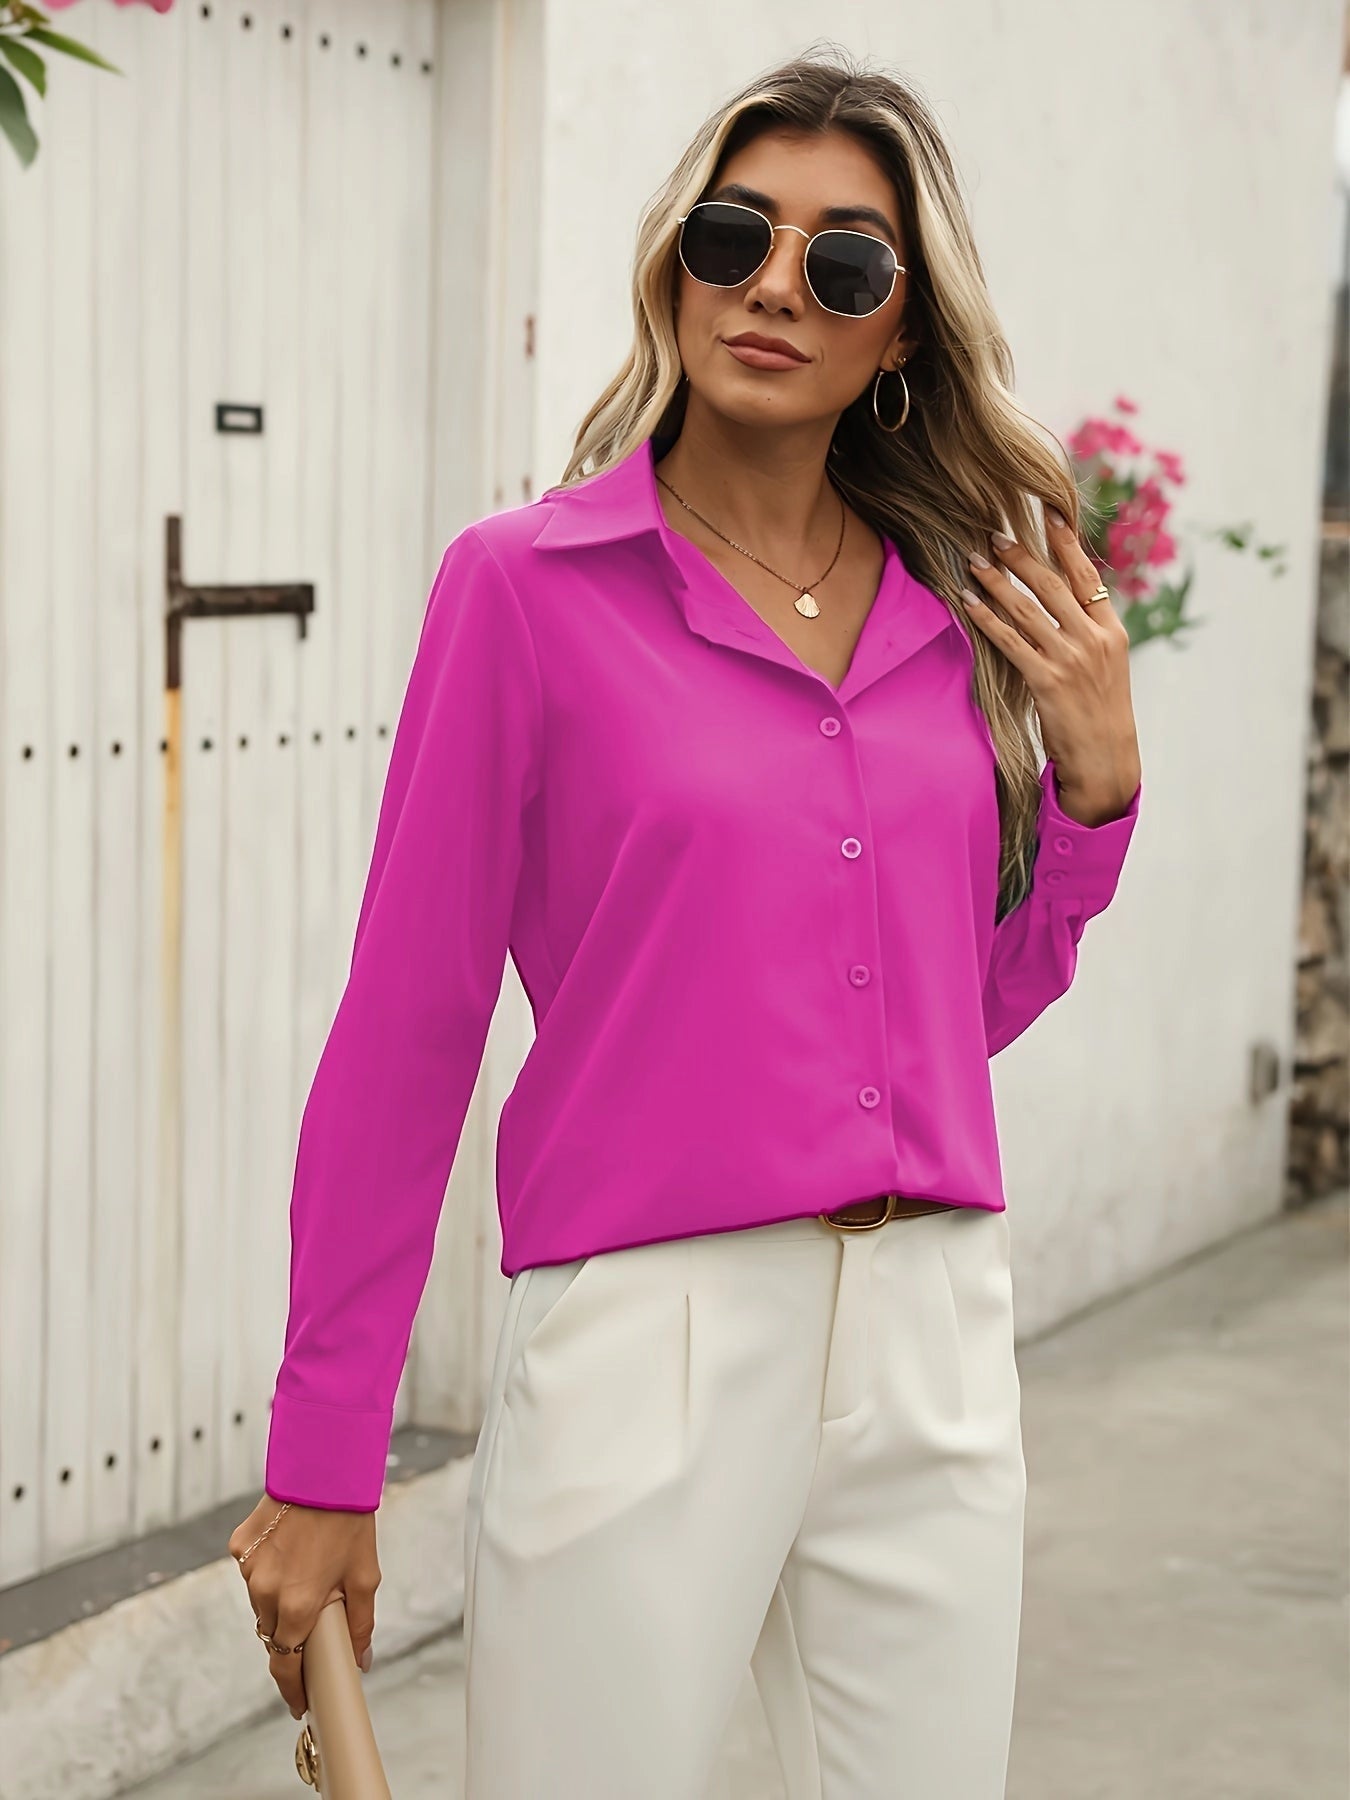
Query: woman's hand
x=310 y=1557
x=1076 y=660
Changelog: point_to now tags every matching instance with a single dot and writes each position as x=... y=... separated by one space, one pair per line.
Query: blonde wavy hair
x=967 y=461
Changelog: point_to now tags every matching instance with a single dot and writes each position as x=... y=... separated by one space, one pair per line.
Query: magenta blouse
x=754 y=915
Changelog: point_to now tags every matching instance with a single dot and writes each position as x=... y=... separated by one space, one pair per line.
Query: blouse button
x=1064 y=844
x=830 y=727
x=851 y=846
x=868 y=1096
x=1055 y=875
x=860 y=974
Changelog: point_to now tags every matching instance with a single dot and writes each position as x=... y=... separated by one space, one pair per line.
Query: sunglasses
x=723 y=244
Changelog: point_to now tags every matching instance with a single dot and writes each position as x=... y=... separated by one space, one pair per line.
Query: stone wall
x=1319 y=1150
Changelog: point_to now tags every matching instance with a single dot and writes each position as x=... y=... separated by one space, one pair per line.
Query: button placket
x=869 y=1096
x=859 y=974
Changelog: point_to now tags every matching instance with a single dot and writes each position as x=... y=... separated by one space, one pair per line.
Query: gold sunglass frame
x=897 y=267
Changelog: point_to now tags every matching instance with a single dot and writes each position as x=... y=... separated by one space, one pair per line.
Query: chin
x=749 y=402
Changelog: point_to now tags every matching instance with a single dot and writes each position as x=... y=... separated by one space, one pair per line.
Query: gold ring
x=276 y=1648
x=1102 y=593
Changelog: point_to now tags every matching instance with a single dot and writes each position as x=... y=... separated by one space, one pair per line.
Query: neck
x=766 y=489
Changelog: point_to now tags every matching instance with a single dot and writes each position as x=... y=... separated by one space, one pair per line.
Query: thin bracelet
x=285 y=1507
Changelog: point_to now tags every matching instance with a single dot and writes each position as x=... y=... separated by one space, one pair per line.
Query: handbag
x=337 y=1754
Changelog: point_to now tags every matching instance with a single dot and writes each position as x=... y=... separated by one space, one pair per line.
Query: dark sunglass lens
x=850 y=273
x=723 y=245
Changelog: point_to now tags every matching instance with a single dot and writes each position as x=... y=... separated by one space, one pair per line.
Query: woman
x=729 y=741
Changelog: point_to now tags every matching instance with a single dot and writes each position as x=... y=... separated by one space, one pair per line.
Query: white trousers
x=784 y=1447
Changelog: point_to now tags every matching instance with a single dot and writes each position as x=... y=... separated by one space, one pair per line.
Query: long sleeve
x=1035 y=949
x=388 y=1098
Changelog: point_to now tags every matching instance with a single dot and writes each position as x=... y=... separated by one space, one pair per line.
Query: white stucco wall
x=1151 y=193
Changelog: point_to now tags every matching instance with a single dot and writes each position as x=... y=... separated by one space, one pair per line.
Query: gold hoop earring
x=875 y=386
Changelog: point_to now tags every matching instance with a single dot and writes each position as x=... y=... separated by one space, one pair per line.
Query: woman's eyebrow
x=830 y=215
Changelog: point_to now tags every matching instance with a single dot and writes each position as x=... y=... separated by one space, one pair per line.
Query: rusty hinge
x=218 y=602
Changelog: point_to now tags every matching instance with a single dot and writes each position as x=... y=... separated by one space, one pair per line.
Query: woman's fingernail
x=367 y=1657
x=1055 y=516
x=979 y=562
x=969 y=598
x=1002 y=540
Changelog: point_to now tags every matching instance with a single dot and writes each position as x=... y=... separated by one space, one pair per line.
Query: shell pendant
x=807 y=607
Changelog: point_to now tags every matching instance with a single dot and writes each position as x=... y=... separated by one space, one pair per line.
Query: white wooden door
x=245 y=217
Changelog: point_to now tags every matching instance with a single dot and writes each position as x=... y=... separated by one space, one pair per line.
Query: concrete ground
x=1185 y=1621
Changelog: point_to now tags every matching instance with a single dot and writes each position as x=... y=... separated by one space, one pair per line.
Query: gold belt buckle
x=863 y=1224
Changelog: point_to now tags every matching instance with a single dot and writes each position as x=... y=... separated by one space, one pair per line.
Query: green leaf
x=14 y=119
x=55 y=41
x=29 y=64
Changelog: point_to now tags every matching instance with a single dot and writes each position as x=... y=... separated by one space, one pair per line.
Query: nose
x=780 y=281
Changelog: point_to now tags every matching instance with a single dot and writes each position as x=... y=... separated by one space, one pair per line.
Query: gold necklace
x=805 y=602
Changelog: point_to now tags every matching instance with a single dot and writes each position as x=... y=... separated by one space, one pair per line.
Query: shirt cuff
x=326 y=1456
x=1078 y=859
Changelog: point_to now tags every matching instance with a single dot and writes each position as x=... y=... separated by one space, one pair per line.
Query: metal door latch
x=245 y=599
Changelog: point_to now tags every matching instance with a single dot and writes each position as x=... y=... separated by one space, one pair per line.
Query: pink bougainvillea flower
x=1123 y=440
x=1164 y=549
x=1120 y=546
x=1089 y=440
x=160 y=6
x=1149 y=503
x=1131 y=541
x=1129 y=537
x=1096 y=436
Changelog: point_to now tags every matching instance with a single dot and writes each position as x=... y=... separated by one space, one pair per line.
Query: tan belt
x=862 y=1215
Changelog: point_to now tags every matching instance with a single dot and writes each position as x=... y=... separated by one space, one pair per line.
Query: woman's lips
x=755 y=358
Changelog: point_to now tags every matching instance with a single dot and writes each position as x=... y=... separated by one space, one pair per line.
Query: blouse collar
x=622 y=502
